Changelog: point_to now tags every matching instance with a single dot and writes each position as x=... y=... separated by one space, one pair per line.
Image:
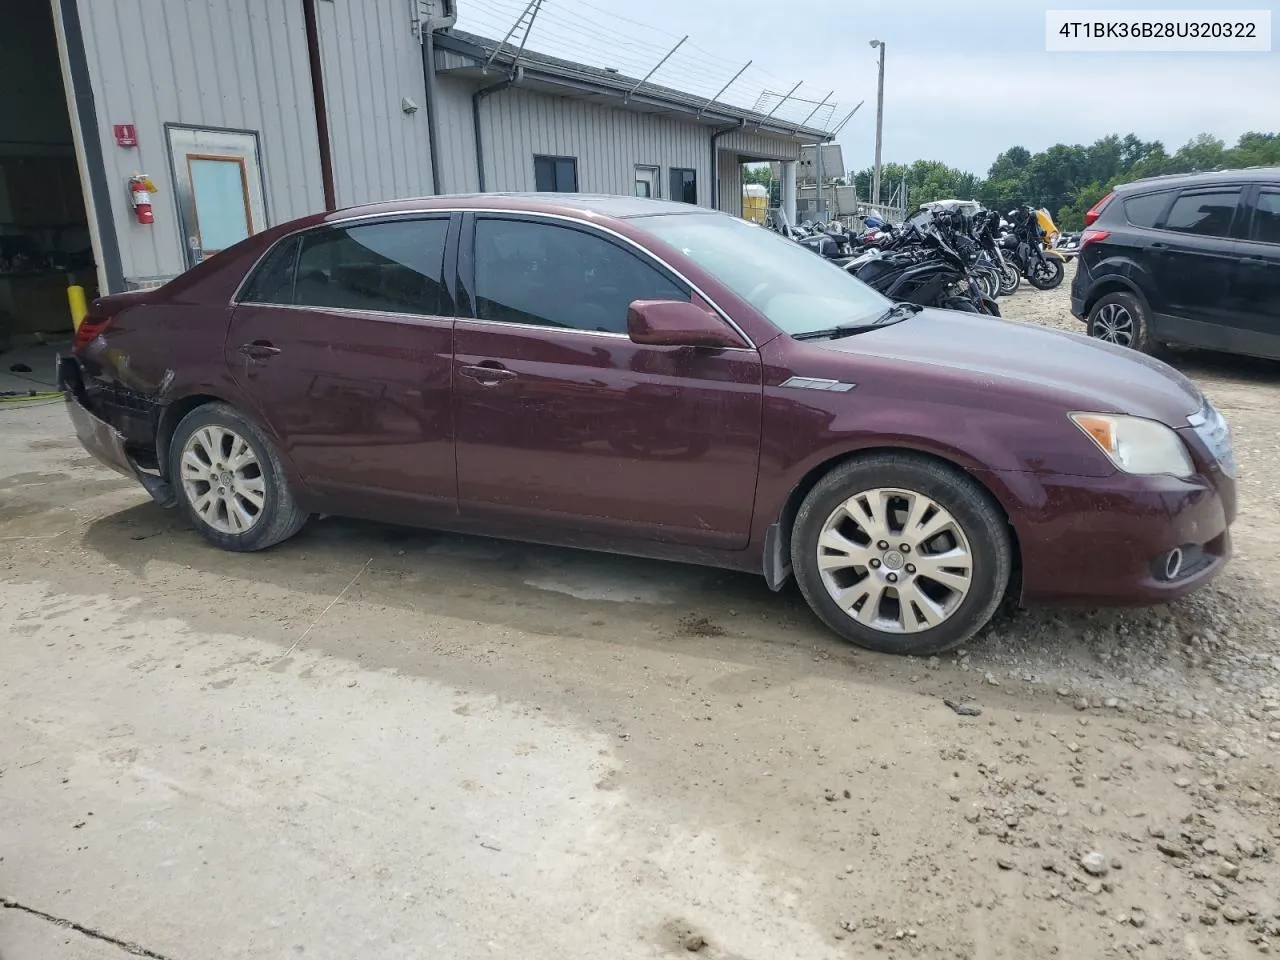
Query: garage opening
x=45 y=244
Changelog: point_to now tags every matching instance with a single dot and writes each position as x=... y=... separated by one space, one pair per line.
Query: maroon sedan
x=656 y=379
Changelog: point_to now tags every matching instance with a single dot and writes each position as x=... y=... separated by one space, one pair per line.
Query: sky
x=963 y=81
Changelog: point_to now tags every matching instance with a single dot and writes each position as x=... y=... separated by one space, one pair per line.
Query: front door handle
x=259 y=349
x=487 y=373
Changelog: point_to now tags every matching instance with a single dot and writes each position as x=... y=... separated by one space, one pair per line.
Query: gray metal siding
x=608 y=143
x=729 y=171
x=371 y=60
x=232 y=63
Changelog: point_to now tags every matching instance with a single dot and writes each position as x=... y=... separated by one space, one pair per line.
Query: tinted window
x=555 y=174
x=1145 y=210
x=1266 y=218
x=1206 y=213
x=272 y=282
x=684 y=185
x=397 y=267
x=796 y=290
x=560 y=277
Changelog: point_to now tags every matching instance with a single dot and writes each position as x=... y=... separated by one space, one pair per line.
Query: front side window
x=795 y=290
x=392 y=267
x=684 y=185
x=1205 y=213
x=554 y=276
x=555 y=174
x=1266 y=217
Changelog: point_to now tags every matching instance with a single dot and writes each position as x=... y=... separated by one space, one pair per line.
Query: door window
x=684 y=185
x=1205 y=213
x=1266 y=217
x=272 y=282
x=555 y=174
x=218 y=182
x=392 y=267
x=552 y=276
x=646 y=181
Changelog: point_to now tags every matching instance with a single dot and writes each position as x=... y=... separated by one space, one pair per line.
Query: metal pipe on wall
x=715 y=161
x=429 y=78
x=317 y=99
x=478 y=96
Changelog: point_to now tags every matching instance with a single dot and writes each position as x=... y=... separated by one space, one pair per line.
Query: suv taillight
x=1093 y=236
x=92 y=325
x=1096 y=210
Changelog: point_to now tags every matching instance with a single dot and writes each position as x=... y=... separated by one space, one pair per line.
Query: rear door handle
x=259 y=350
x=487 y=373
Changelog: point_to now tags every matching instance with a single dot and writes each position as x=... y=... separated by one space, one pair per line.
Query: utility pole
x=875 y=177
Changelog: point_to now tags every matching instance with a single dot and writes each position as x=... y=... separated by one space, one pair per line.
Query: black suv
x=1188 y=259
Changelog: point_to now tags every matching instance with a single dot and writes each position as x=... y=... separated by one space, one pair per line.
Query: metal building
x=246 y=113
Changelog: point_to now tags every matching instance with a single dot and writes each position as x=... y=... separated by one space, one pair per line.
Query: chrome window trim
x=529 y=214
x=348 y=311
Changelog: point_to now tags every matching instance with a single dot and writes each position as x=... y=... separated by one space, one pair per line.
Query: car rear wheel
x=229 y=480
x=901 y=554
x=1120 y=318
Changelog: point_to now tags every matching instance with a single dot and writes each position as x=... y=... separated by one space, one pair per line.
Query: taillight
x=1093 y=236
x=1096 y=210
x=90 y=327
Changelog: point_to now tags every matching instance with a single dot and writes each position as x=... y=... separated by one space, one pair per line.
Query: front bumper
x=1104 y=541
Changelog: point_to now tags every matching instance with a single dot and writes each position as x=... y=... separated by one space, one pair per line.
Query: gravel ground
x=383 y=742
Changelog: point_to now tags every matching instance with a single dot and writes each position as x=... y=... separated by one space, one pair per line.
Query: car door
x=343 y=340
x=1255 y=294
x=1192 y=262
x=562 y=419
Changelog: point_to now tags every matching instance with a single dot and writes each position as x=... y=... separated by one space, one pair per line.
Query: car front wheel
x=901 y=554
x=229 y=480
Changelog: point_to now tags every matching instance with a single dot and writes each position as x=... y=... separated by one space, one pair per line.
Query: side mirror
x=678 y=323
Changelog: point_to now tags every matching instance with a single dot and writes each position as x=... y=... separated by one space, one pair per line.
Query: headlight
x=1136 y=445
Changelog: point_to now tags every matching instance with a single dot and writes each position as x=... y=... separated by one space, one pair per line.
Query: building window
x=555 y=174
x=684 y=185
x=647 y=181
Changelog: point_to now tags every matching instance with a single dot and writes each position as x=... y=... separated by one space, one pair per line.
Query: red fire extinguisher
x=141 y=188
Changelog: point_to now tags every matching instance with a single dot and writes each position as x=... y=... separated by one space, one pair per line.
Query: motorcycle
x=1024 y=244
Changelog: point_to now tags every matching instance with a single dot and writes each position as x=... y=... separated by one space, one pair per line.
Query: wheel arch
x=1115 y=284
x=777 y=552
x=172 y=414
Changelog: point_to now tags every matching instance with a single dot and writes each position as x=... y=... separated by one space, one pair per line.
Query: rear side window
x=1266 y=217
x=394 y=267
x=1145 y=210
x=1205 y=213
x=272 y=282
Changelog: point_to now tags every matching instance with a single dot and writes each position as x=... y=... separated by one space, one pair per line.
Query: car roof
x=1242 y=175
x=572 y=204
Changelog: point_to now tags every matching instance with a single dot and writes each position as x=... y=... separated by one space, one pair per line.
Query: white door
x=647 y=180
x=218 y=180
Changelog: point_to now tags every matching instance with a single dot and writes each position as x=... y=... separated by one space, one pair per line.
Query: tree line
x=1066 y=180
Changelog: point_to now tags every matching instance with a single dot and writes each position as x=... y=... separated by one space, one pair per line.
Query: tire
x=208 y=436
x=1121 y=318
x=1010 y=279
x=1047 y=275
x=902 y=481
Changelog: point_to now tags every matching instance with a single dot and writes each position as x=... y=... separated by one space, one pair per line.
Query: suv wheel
x=229 y=480
x=1120 y=318
x=901 y=554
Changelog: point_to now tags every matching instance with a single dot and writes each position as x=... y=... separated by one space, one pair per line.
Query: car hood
x=1087 y=374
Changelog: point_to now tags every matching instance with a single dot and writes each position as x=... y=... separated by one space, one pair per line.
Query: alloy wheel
x=895 y=560
x=223 y=480
x=1114 y=324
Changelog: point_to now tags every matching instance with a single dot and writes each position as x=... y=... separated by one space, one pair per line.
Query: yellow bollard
x=79 y=307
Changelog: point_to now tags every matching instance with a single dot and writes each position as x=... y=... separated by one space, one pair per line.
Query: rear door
x=1193 y=262
x=1255 y=293
x=343 y=340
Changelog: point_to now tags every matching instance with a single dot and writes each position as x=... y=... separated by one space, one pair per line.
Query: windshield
x=795 y=288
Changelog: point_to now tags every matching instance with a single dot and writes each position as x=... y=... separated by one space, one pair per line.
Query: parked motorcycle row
x=949 y=254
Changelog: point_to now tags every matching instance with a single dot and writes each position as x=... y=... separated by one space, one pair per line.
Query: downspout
x=476 y=97
x=715 y=160
x=429 y=75
x=317 y=99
